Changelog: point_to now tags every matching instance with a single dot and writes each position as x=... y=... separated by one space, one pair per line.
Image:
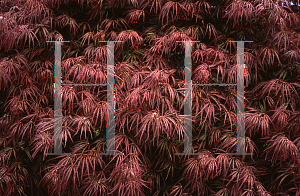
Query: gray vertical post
x=240 y=99
x=110 y=124
x=110 y=98
x=240 y=147
x=57 y=100
x=188 y=100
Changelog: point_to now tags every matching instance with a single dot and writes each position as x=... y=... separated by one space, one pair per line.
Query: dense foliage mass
x=149 y=68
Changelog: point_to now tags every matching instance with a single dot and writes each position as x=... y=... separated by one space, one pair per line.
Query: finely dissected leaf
x=171 y=10
x=113 y=24
x=282 y=149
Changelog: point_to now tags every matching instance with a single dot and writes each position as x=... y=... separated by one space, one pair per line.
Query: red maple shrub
x=149 y=90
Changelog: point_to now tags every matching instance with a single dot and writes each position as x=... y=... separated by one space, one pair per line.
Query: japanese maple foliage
x=149 y=96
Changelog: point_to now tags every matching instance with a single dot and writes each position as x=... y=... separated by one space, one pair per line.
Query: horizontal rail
x=87 y=84
x=214 y=84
